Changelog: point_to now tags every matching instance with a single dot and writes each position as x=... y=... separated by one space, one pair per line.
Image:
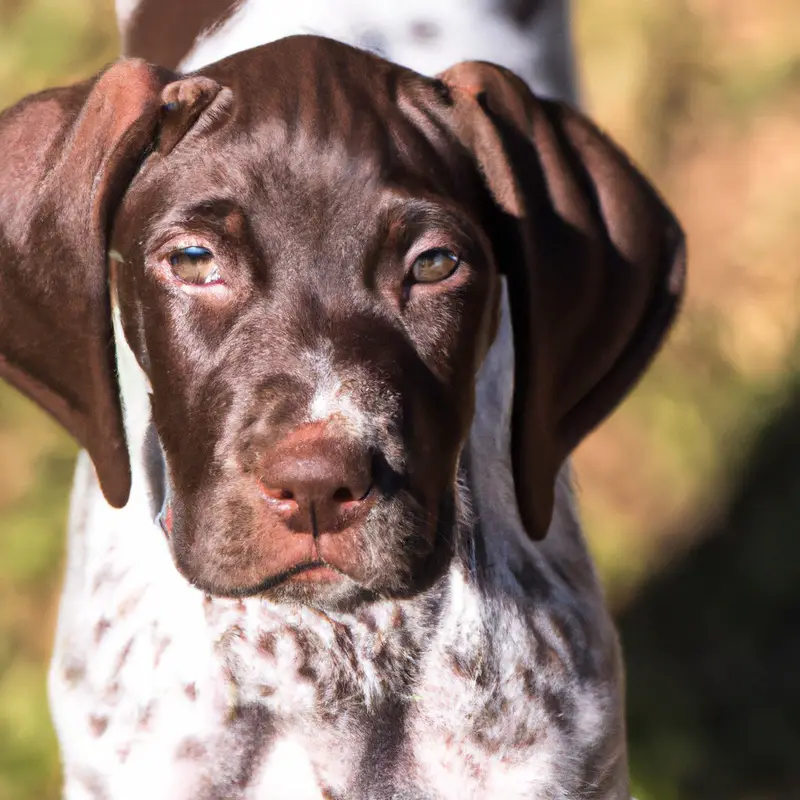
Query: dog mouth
x=388 y=554
x=316 y=572
x=311 y=573
x=308 y=573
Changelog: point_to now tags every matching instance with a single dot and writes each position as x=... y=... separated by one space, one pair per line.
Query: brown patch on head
x=164 y=31
x=310 y=233
x=182 y=103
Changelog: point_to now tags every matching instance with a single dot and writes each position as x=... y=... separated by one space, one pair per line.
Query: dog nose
x=318 y=481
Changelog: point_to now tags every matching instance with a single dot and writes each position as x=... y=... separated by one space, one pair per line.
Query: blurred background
x=691 y=491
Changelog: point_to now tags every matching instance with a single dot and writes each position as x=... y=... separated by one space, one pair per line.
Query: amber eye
x=434 y=265
x=195 y=265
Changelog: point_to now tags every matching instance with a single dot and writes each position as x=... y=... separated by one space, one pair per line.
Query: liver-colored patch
x=164 y=31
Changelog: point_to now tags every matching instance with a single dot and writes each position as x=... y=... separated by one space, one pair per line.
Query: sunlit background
x=691 y=492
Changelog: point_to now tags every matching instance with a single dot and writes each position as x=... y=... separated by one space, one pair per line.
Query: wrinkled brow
x=221 y=216
x=411 y=216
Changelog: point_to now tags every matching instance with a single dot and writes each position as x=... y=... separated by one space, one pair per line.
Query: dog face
x=306 y=245
x=310 y=290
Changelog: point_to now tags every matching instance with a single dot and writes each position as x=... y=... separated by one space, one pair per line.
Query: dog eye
x=434 y=265
x=195 y=265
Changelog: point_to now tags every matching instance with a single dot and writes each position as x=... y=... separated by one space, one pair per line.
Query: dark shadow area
x=713 y=644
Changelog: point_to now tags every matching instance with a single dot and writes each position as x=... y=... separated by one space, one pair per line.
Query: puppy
x=328 y=330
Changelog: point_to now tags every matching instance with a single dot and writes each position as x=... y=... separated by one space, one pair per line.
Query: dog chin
x=342 y=575
x=317 y=586
x=322 y=586
x=341 y=595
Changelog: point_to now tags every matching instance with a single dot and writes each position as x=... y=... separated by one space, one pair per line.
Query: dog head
x=306 y=248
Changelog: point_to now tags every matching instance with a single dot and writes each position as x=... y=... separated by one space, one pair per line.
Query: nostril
x=343 y=495
x=283 y=495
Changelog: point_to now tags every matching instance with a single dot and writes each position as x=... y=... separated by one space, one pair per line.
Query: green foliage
x=50 y=42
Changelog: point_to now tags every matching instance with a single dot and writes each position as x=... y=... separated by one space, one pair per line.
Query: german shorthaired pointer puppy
x=327 y=330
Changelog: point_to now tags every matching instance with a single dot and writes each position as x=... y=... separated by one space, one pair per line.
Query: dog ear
x=69 y=155
x=594 y=261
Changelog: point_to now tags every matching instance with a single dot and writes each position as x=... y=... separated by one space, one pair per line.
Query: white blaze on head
x=333 y=399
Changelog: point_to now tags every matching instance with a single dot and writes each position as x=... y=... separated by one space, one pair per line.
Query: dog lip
x=309 y=572
x=315 y=572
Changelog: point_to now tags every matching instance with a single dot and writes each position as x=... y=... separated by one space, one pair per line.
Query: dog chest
x=245 y=699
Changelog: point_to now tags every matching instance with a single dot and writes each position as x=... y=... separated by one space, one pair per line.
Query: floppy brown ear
x=593 y=258
x=68 y=157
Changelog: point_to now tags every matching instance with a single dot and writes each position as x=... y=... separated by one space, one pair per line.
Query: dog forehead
x=294 y=75
x=307 y=122
x=319 y=106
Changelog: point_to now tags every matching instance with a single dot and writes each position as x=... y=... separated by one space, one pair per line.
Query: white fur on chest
x=288 y=773
x=149 y=708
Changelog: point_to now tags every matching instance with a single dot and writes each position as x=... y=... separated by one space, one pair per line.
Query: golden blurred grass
x=704 y=95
